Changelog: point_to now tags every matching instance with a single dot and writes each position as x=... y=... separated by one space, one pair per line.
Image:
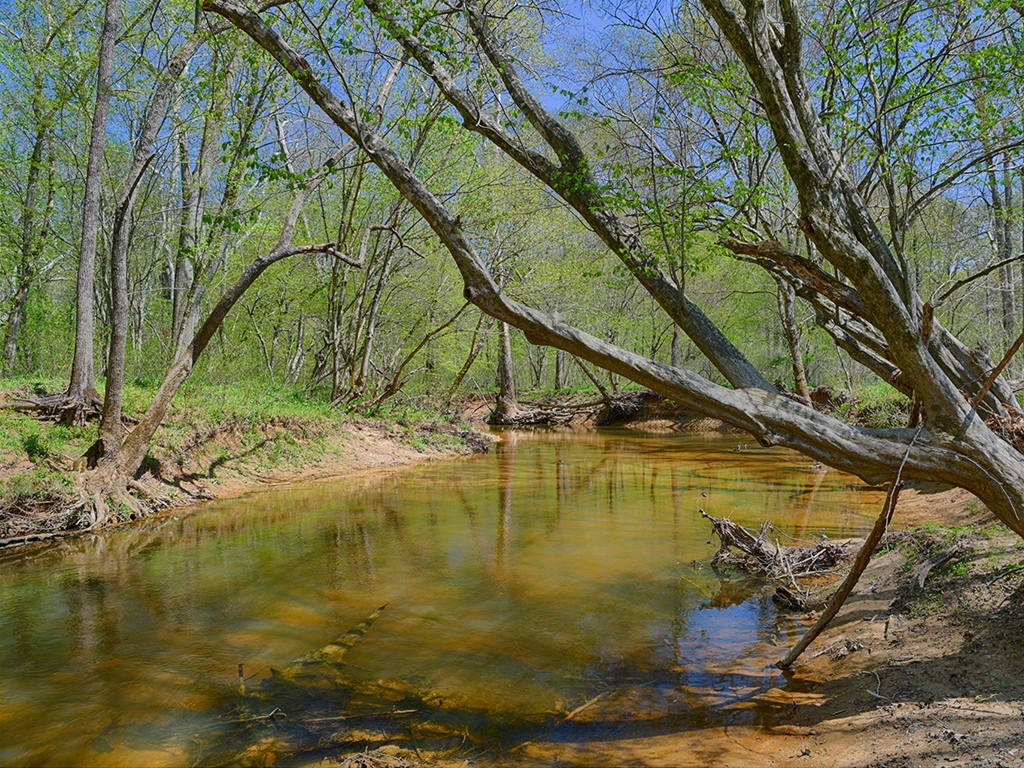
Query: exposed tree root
x=924 y=570
x=538 y=417
x=543 y=412
x=100 y=497
x=627 y=405
x=62 y=408
x=105 y=496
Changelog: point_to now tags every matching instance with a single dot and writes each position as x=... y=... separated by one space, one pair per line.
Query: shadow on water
x=552 y=591
x=319 y=706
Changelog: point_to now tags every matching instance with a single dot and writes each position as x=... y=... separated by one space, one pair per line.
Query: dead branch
x=861 y=562
x=924 y=570
x=779 y=563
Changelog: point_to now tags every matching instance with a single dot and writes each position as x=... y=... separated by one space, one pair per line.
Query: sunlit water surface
x=561 y=566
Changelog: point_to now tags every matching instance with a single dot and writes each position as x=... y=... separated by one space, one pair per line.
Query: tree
x=39 y=88
x=952 y=445
x=112 y=479
x=82 y=399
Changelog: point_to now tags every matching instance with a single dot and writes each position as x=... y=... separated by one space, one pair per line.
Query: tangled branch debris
x=786 y=565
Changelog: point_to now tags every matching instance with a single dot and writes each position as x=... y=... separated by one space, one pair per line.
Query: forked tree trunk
x=110 y=433
x=115 y=473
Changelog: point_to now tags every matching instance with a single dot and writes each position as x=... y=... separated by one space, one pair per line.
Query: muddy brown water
x=564 y=567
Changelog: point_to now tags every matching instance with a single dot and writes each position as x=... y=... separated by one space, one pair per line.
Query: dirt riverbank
x=229 y=460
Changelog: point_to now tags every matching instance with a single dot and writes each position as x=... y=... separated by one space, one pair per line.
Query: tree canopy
x=674 y=193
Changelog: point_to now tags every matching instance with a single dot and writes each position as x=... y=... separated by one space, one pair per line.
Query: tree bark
x=572 y=180
x=110 y=433
x=81 y=391
x=33 y=234
x=506 y=407
x=787 y=313
x=195 y=184
x=955 y=446
x=860 y=563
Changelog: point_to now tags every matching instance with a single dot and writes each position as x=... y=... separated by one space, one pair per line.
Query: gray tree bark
x=506 y=407
x=81 y=393
x=110 y=433
x=787 y=313
x=954 y=445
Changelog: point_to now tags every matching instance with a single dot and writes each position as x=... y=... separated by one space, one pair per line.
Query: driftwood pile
x=27 y=518
x=540 y=414
x=788 y=566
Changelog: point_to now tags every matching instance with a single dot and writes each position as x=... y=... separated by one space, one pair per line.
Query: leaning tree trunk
x=115 y=474
x=112 y=479
x=955 y=447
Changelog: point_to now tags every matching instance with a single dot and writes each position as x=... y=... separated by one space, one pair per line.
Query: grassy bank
x=217 y=440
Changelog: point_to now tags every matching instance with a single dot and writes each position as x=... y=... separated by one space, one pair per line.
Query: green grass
x=267 y=426
x=209 y=429
x=881 y=405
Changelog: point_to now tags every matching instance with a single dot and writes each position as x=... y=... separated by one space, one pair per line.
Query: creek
x=560 y=568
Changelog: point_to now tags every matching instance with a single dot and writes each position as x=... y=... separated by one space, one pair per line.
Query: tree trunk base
x=106 y=496
x=506 y=413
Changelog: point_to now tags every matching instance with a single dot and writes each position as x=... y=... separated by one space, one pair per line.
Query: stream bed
x=565 y=567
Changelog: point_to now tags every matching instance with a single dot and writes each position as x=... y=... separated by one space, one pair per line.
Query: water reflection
x=563 y=566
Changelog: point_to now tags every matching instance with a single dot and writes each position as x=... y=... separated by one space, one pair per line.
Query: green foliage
x=676 y=142
x=37 y=483
x=881 y=405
